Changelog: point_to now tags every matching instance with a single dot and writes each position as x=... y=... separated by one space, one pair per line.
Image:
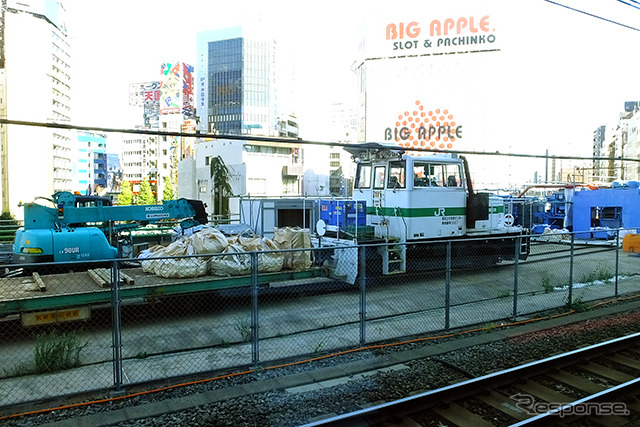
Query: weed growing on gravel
x=547 y=285
x=243 y=328
x=505 y=294
x=54 y=352
x=601 y=273
x=579 y=305
x=489 y=327
x=141 y=355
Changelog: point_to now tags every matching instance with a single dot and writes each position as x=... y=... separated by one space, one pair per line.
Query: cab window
x=396 y=175
x=427 y=175
x=363 y=176
x=451 y=173
x=378 y=176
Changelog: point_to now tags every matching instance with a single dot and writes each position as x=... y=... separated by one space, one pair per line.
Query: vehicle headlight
x=31 y=250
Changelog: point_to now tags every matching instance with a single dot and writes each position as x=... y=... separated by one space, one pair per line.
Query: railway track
x=599 y=382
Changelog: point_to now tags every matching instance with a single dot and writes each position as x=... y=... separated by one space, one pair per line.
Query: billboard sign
x=171 y=88
x=177 y=89
x=188 y=102
x=146 y=95
x=441 y=28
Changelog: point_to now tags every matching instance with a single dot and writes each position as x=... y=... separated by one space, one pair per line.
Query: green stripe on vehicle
x=496 y=209
x=416 y=212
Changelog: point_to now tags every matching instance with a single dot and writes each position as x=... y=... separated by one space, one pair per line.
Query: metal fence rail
x=165 y=317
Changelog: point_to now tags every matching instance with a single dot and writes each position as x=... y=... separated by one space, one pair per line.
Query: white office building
x=35 y=84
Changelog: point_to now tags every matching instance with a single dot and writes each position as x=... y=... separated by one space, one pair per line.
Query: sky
x=560 y=73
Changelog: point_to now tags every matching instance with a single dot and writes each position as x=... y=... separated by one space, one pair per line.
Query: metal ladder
x=394 y=259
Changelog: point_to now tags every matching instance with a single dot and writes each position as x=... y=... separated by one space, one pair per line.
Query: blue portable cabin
x=607 y=208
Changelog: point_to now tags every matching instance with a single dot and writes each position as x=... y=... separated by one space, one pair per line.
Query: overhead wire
x=299 y=141
x=593 y=15
x=636 y=6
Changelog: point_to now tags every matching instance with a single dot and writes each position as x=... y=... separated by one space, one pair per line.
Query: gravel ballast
x=262 y=398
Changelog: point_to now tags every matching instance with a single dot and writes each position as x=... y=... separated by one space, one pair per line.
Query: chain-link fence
x=75 y=327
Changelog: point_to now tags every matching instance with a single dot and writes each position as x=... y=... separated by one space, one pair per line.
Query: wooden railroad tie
x=39 y=282
x=102 y=277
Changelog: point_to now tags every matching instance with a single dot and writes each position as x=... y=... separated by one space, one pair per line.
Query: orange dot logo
x=425 y=128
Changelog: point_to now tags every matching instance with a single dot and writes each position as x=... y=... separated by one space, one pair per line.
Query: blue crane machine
x=84 y=228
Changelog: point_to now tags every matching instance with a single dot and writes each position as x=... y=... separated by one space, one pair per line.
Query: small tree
x=221 y=188
x=126 y=194
x=167 y=191
x=146 y=196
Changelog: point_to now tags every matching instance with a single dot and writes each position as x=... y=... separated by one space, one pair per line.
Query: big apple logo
x=432 y=129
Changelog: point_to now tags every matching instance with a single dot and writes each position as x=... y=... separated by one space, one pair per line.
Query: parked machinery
x=404 y=201
x=84 y=228
x=414 y=199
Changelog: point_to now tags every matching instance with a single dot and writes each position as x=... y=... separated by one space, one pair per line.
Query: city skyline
x=565 y=53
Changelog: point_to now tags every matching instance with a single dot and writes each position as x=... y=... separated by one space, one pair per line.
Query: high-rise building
x=599 y=151
x=236 y=83
x=35 y=86
x=114 y=175
x=237 y=95
x=90 y=163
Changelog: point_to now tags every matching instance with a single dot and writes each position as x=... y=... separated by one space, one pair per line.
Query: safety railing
x=8 y=230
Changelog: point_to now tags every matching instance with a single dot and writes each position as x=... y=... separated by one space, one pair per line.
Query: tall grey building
x=236 y=82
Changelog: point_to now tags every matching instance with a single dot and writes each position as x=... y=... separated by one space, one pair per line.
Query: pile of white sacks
x=177 y=261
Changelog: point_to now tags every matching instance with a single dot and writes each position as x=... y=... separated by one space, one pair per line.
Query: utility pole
x=546 y=167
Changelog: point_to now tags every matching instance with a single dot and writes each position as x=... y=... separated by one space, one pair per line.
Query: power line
x=629 y=4
x=592 y=15
x=299 y=141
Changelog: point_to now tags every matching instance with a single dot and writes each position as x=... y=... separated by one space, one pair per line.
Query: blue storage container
x=343 y=213
x=327 y=212
x=355 y=213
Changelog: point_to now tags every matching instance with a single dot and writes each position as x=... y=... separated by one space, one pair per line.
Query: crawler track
x=566 y=388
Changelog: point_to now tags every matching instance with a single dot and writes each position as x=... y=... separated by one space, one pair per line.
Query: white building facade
x=616 y=140
x=36 y=86
x=256 y=170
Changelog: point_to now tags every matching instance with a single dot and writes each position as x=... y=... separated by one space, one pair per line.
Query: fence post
x=255 y=352
x=116 y=328
x=447 y=289
x=363 y=292
x=570 y=297
x=516 y=263
x=617 y=258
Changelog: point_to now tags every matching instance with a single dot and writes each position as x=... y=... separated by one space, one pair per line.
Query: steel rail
x=608 y=395
x=410 y=405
